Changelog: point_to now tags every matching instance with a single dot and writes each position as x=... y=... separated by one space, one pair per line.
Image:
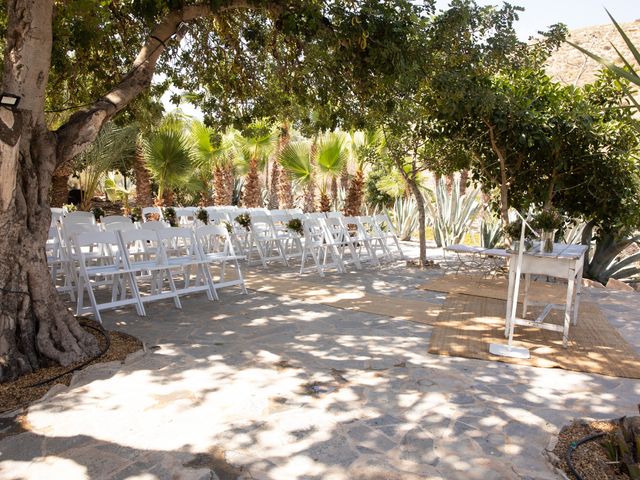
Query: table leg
x=527 y=283
x=512 y=277
x=571 y=281
x=578 y=293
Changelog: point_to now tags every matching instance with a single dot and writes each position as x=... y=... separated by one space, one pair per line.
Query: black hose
x=107 y=338
x=574 y=445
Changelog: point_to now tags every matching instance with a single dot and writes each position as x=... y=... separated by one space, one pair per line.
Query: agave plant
x=625 y=267
x=404 y=217
x=451 y=214
x=490 y=231
x=573 y=232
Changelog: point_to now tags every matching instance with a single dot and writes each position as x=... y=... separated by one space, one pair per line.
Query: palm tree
x=332 y=158
x=365 y=147
x=169 y=157
x=255 y=147
x=144 y=194
x=212 y=160
x=285 y=187
x=295 y=159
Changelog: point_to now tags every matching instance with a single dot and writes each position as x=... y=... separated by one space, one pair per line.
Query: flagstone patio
x=270 y=387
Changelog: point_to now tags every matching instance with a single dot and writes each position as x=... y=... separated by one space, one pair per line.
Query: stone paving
x=264 y=387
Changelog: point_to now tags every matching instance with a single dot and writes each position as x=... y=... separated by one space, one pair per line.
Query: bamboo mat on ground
x=495 y=288
x=467 y=325
x=350 y=298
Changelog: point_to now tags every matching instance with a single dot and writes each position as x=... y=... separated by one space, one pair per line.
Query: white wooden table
x=566 y=261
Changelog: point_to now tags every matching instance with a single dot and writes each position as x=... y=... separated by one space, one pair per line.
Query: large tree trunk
x=35 y=327
x=60 y=186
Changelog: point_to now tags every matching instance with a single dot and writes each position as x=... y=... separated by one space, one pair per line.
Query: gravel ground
x=589 y=459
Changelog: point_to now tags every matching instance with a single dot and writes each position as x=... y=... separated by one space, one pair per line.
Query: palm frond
x=332 y=154
x=169 y=157
x=295 y=159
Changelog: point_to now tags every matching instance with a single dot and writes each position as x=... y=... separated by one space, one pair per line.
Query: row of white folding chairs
x=356 y=239
x=335 y=240
x=132 y=260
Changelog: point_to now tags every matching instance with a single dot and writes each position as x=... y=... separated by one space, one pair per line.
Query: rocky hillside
x=569 y=65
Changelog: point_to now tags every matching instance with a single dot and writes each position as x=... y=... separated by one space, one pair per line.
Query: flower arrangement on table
x=202 y=215
x=513 y=230
x=244 y=220
x=295 y=225
x=547 y=221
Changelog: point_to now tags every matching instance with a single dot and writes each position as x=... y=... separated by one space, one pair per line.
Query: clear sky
x=539 y=14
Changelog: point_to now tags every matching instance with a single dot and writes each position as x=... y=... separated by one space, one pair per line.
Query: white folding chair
x=387 y=233
x=57 y=214
x=186 y=216
x=58 y=262
x=360 y=238
x=79 y=217
x=240 y=236
x=324 y=253
x=264 y=241
x=155 y=226
x=180 y=251
x=108 y=268
x=290 y=240
x=151 y=214
x=338 y=236
x=67 y=231
x=214 y=243
x=112 y=223
x=376 y=239
x=143 y=255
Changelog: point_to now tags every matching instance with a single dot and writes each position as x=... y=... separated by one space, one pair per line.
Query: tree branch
x=83 y=126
